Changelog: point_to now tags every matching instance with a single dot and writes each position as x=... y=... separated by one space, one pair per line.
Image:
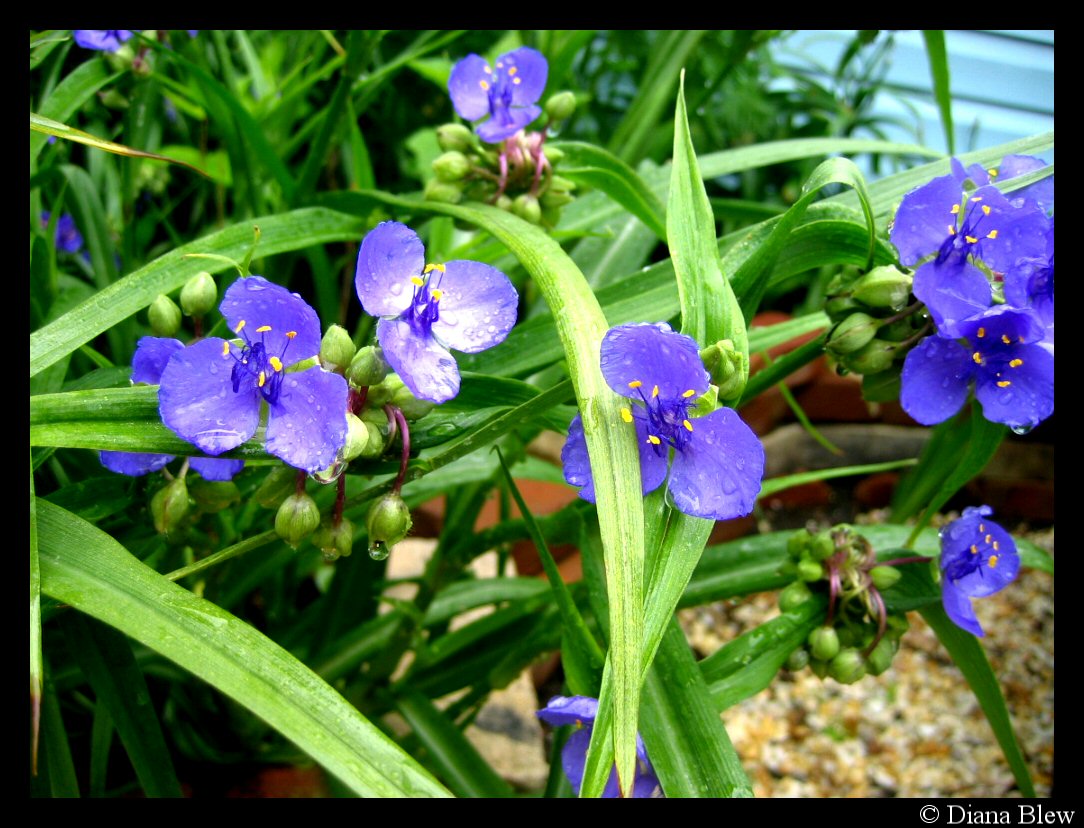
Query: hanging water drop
x=378 y=550
x=1021 y=429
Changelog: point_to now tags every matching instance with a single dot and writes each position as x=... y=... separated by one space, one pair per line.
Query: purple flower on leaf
x=580 y=711
x=67 y=238
x=102 y=40
x=426 y=309
x=1004 y=356
x=151 y=356
x=211 y=392
x=718 y=462
x=507 y=92
x=978 y=558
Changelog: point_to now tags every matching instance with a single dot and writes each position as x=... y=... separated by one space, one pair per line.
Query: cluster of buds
x=877 y=322
x=516 y=175
x=858 y=636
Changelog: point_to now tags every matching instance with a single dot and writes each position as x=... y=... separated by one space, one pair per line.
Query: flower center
x=254 y=366
x=968 y=237
x=667 y=420
x=499 y=89
x=997 y=354
x=424 y=307
x=985 y=552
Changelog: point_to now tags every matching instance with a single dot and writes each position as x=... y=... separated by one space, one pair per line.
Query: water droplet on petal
x=378 y=550
x=1021 y=429
x=396 y=289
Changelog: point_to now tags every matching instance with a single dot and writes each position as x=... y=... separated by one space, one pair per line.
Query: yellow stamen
x=263 y=378
x=417 y=280
x=276 y=363
x=1005 y=339
x=970 y=239
x=982 y=527
x=952 y=230
x=981 y=332
x=626 y=415
x=437 y=294
x=225 y=348
x=291 y=334
x=996 y=547
x=977 y=198
x=635 y=384
x=974 y=549
x=992 y=234
x=1015 y=363
x=512 y=71
x=434 y=266
x=986 y=209
x=687 y=425
x=500 y=65
x=240 y=326
x=487 y=70
x=483 y=84
x=977 y=357
x=517 y=80
x=993 y=561
x=655 y=391
x=689 y=393
x=993 y=172
x=955 y=209
x=263 y=329
x=651 y=438
x=1004 y=384
x=987 y=539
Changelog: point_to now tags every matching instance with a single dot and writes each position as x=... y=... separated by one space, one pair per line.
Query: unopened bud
x=798 y=543
x=852 y=333
x=388 y=522
x=819 y=668
x=873 y=358
x=848 y=666
x=556 y=198
x=164 y=316
x=798 y=659
x=278 y=484
x=199 y=295
x=336 y=349
x=561 y=106
x=454 y=137
x=883 y=287
x=809 y=570
x=823 y=643
x=880 y=659
x=554 y=155
x=368 y=367
x=527 y=208
x=357 y=437
x=297 y=518
x=334 y=541
x=214 y=495
x=451 y=166
x=443 y=191
x=793 y=596
x=726 y=367
x=839 y=307
x=170 y=505
x=822 y=546
x=884 y=577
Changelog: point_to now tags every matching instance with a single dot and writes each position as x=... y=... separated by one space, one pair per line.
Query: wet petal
x=152 y=354
x=718 y=473
x=958 y=608
x=133 y=464
x=391 y=255
x=1029 y=398
x=923 y=218
x=652 y=355
x=1041 y=192
x=307 y=426
x=422 y=363
x=531 y=71
x=952 y=292
x=198 y=403
x=508 y=124
x=569 y=710
x=478 y=306
x=259 y=302
x=216 y=470
x=577 y=464
x=935 y=380
x=1021 y=229
x=469 y=97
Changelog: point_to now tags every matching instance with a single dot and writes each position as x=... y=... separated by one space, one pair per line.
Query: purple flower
x=427 y=309
x=978 y=558
x=67 y=238
x=211 y=391
x=151 y=356
x=507 y=92
x=102 y=40
x=1031 y=283
x=1041 y=192
x=1004 y=356
x=580 y=711
x=718 y=462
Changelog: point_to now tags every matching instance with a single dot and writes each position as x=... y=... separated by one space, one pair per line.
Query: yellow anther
x=996 y=547
x=276 y=363
x=974 y=549
x=626 y=415
x=976 y=198
x=512 y=71
x=291 y=334
x=987 y=539
x=263 y=378
x=981 y=332
x=955 y=209
x=982 y=527
x=971 y=239
x=952 y=229
x=992 y=234
x=1015 y=363
x=993 y=172
x=484 y=84
x=655 y=391
x=240 y=326
x=1020 y=339
x=1004 y=384
x=992 y=561
x=433 y=266
x=225 y=348
x=516 y=80
x=635 y=384
x=417 y=280
x=1005 y=339
x=263 y=329
x=487 y=70
x=651 y=438
x=687 y=424
x=689 y=393
x=500 y=65
x=437 y=294
x=986 y=209
x=977 y=357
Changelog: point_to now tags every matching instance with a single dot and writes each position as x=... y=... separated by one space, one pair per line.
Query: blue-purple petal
x=577 y=464
x=391 y=255
x=569 y=710
x=953 y=291
x=958 y=608
x=1029 y=399
x=422 y=363
x=152 y=354
x=133 y=464
x=653 y=355
x=1041 y=192
x=924 y=217
x=478 y=306
x=1020 y=229
x=718 y=473
x=507 y=123
x=307 y=426
x=197 y=400
x=102 y=40
x=215 y=469
x=258 y=302
x=935 y=380
x=469 y=98
x=531 y=69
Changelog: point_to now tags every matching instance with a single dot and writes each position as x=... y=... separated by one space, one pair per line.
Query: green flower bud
x=357 y=437
x=451 y=166
x=556 y=198
x=199 y=295
x=798 y=659
x=901 y=329
x=169 y=506
x=561 y=106
x=882 y=387
x=454 y=137
x=727 y=368
x=550 y=216
x=412 y=408
x=883 y=287
x=793 y=596
x=334 y=541
x=368 y=367
x=214 y=495
x=388 y=523
x=810 y=570
x=798 y=543
x=558 y=184
x=819 y=668
x=297 y=518
x=873 y=358
x=848 y=666
x=840 y=307
x=897 y=626
x=443 y=191
x=112 y=98
x=884 y=576
x=880 y=659
x=276 y=487
x=554 y=155
x=852 y=333
x=164 y=316
x=504 y=202
x=527 y=208
x=823 y=643
x=336 y=349
x=822 y=547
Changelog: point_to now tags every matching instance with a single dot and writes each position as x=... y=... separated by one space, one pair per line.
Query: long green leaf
x=70 y=94
x=939 y=73
x=36 y=665
x=87 y=569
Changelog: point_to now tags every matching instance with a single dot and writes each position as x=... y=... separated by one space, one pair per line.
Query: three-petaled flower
x=718 y=462
x=426 y=309
x=102 y=40
x=211 y=391
x=581 y=711
x=67 y=238
x=978 y=558
x=507 y=92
